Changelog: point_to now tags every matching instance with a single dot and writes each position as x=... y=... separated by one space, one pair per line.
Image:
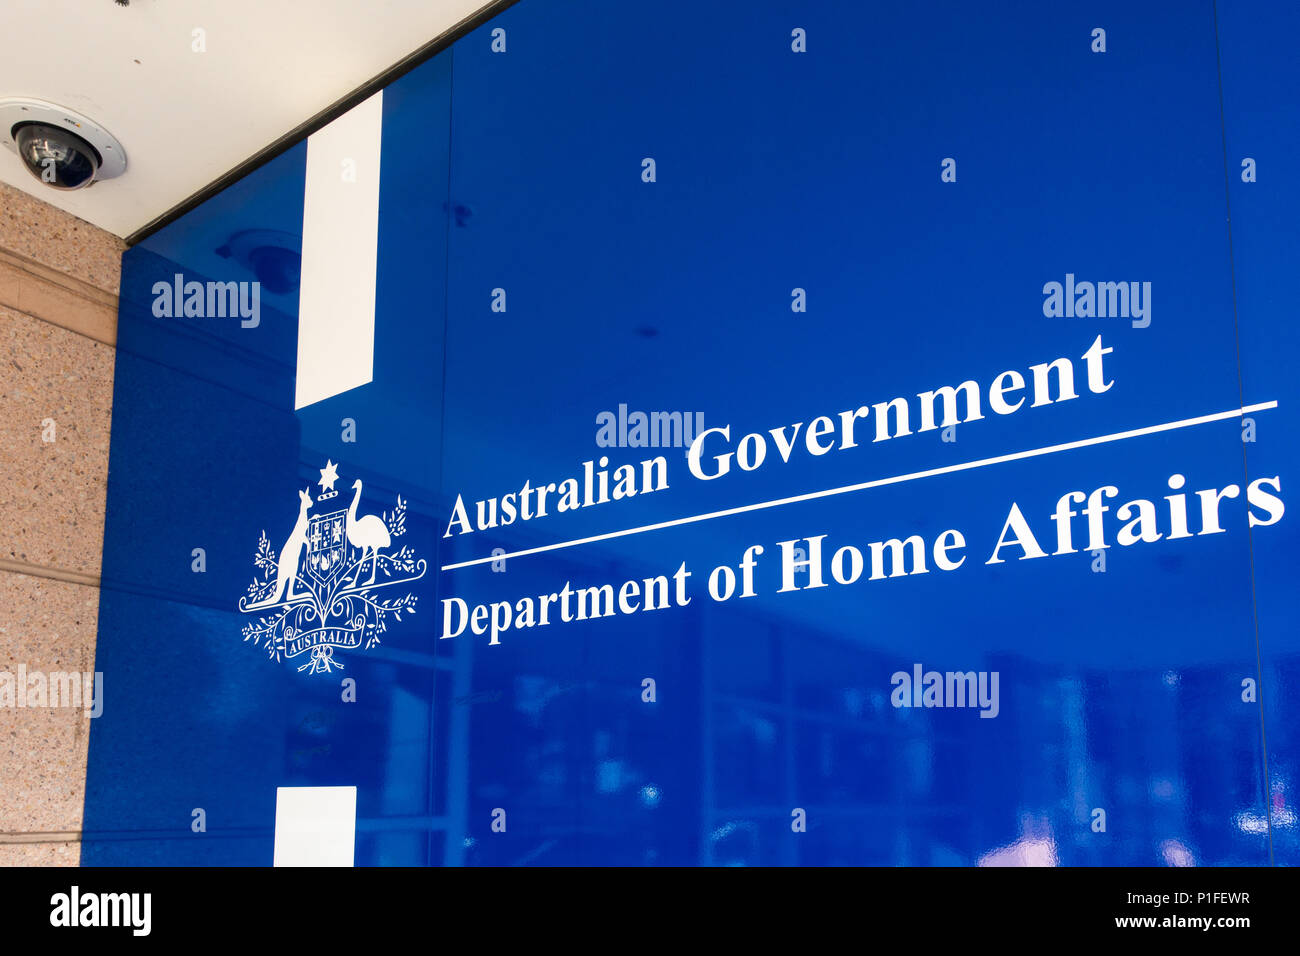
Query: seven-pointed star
x=328 y=476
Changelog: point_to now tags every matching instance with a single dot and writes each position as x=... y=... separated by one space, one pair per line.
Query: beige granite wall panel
x=56 y=384
x=40 y=854
x=58 y=317
x=54 y=238
x=47 y=627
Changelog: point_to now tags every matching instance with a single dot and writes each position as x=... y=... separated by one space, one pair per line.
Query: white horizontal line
x=877 y=483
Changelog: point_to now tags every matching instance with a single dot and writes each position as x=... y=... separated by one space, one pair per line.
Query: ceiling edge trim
x=323 y=118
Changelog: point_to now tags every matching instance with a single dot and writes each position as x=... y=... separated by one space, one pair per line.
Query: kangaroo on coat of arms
x=313 y=590
x=286 y=569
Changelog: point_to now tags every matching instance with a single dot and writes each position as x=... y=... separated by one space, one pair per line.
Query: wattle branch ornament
x=329 y=586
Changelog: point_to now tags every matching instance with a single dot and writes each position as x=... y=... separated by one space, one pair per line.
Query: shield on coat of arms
x=327 y=546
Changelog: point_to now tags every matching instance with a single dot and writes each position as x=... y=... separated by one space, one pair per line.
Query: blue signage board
x=837 y=436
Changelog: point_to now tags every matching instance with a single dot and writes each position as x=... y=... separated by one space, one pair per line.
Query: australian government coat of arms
x=336 y=582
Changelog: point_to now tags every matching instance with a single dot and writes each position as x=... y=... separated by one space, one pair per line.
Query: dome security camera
x=56 y=157
x=60 y=148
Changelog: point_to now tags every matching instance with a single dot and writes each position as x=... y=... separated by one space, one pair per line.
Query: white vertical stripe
x=340 y=245
x=315 y=826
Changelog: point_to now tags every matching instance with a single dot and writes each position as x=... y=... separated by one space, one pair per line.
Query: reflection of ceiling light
x=60 y=148
x=1282 y=818
x=1175 y=853
x=1023 y=852
x=1252 y=823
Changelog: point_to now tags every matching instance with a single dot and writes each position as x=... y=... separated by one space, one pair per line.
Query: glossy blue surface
x=1119 y=691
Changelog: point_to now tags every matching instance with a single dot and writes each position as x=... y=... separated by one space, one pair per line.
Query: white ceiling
x=186 y=118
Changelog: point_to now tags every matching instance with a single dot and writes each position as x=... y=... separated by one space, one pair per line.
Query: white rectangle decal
x=340 y=246
x=315 y=826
